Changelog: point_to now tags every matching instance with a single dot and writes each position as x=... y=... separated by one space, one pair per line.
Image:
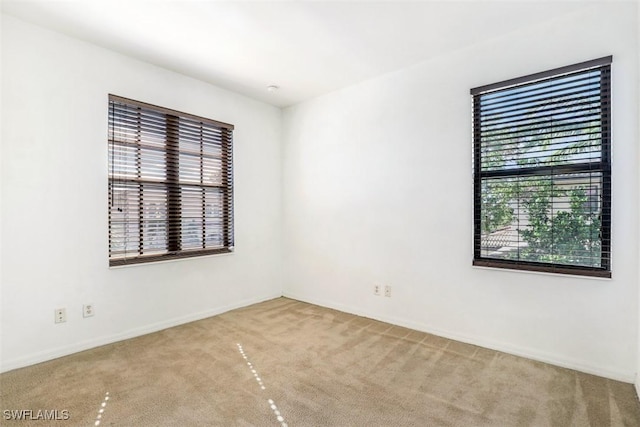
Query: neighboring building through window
x=542 y=171
x=170 y=184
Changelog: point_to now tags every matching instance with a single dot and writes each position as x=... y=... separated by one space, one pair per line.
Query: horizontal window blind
x=542 y=171
x=170 y=184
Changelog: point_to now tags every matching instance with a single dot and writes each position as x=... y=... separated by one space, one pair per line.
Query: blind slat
x=170 y=184
x=542 y=173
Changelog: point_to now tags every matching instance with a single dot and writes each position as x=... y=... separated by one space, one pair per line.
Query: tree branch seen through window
x=542 y=174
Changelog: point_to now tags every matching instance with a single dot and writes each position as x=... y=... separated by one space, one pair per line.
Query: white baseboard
x=479 y=341
x=637 y=384
x=506 y=348
x=44 y=356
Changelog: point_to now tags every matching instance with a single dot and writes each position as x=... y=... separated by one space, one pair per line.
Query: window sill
x=542 y=269
x=169 y=260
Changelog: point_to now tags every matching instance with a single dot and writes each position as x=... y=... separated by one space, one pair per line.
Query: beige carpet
x=313 y=367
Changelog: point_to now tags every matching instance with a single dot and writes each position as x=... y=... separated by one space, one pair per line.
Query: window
x=542 y=171
x=170 y=184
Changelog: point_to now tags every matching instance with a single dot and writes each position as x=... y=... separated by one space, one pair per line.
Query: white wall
x=54 y=206
x=362 y=203
x=1 y=198
x=637 y=383
x=378 y=189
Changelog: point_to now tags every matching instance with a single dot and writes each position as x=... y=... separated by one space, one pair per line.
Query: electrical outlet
x=60 y=315
x=387 y=291
x=376 y=290
x=87 y=310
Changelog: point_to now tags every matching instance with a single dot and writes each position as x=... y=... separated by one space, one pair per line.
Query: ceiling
x=305 y=48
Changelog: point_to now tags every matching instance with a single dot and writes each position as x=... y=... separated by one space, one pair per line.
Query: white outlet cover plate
x=88 y=310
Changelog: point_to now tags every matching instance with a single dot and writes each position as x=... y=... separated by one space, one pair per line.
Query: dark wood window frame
x=170 y=184
x=500 y=108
